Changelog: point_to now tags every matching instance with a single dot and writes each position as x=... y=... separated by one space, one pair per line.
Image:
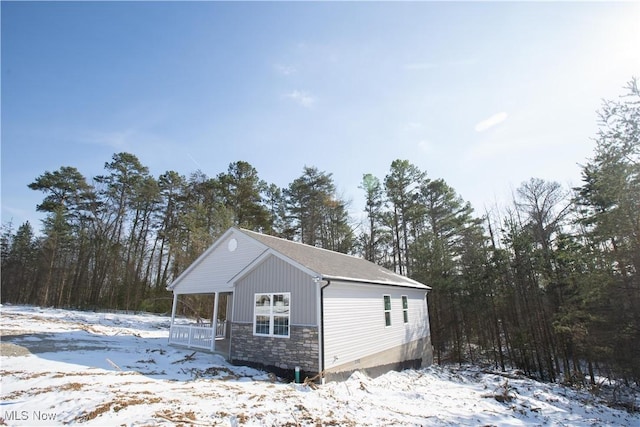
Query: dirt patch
x=8 y=349
x=40 y=390
x=178 y=418
x=116 y=405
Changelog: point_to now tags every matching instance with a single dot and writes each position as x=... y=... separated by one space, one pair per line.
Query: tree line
x=118 y=241
x=548 y=284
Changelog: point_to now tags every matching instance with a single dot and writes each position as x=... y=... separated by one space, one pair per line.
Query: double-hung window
x=271 y=314
x=387 y=310
x=405 y=308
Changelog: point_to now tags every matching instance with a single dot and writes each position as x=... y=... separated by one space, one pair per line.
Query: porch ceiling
x=210 y=291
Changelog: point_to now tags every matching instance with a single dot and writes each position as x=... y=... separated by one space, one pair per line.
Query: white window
x=271 y=315
x=405 y=308
x=387 y=310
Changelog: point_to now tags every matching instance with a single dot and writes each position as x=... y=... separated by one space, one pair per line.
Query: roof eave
x=416 y=285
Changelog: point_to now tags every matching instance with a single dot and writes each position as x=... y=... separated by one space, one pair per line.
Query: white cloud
x=492 y=121
x=303 y=98
x=285 y=70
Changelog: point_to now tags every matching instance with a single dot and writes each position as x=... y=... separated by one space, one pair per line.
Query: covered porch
x=211 y=332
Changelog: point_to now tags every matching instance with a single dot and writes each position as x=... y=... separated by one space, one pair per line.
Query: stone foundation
x=300 y=349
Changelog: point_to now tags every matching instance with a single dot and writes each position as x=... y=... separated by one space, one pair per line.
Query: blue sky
x=484 y=95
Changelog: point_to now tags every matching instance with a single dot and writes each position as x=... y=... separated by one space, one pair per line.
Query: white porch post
x=173 y=313
x=214 y=322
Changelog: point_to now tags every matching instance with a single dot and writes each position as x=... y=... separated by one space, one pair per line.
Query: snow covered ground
x=69 y=367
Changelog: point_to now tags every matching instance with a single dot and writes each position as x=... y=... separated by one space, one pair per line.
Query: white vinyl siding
x=354 y=325
x=217 y=267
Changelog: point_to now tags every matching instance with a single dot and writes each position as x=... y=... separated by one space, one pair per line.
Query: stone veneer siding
x=300 y=349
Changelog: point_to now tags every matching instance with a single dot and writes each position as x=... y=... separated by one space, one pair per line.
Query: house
x=283 y=305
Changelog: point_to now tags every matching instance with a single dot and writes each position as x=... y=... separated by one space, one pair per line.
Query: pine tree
x=242 y=191
x=401 y=186
x=610 y=202
x=374 y=236
x=19 y=264
x=316 y=215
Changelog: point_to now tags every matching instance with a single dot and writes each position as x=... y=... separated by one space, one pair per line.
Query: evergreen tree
x=170 y=227
x=205 y=217
x=316 y=215
x=372 y=239
x=401 y=186
x=69 y=203
x=610 y=201
x=19 y=264
x=119 y=223
x=242 y=191
x=276 y=204
x=446 y=233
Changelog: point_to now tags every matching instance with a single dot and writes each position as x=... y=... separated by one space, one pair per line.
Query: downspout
x=322 y=364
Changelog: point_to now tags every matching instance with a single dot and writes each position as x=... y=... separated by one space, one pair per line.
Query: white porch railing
x=197 y=336
x=221 y=329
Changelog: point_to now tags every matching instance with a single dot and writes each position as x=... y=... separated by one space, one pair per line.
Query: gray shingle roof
x=334 y=265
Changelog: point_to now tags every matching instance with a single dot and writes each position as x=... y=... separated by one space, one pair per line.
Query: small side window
x=387 y=310
x=405 y=308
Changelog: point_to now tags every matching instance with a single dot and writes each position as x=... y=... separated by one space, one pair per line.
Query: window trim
x=272 y=315
x=405 y=308
x=387 y=311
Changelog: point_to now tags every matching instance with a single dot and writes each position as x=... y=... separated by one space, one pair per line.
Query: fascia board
x=364 y=282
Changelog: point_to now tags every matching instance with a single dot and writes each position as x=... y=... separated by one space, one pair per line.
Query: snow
x=117 y=369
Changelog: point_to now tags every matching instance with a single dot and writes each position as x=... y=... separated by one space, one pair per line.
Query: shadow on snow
x=152 y=357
